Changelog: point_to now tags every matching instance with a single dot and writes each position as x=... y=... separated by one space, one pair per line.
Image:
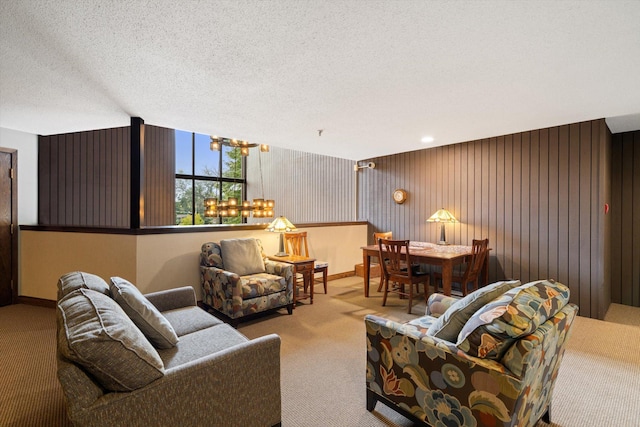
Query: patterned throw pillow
x=517 y=312
x=449 y=325
x=78 y=279
x=211 y=255
x=95 y=333
x=144 y=314
x=242 y=256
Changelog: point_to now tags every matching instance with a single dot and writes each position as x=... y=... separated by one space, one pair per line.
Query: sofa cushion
x=449 y=325
x=144 y=314
x=95 y=333
x=200 y=344
x=187 y=320
x=69 y=282
x=518 y=312
x=261 y=284
x=242 y=256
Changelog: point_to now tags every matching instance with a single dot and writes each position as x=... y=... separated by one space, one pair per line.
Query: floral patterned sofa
x=489 y=359
x=238 y=280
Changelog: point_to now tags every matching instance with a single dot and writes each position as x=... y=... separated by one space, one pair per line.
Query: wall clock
x=399 y=196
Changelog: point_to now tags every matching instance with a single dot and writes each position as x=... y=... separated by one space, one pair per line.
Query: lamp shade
x=280 y=225
x=442 y=215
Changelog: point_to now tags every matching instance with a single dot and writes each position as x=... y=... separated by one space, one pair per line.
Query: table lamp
x=443 y=216
x=280 y=225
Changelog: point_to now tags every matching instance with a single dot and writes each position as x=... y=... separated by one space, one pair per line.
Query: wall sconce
x=369 y=165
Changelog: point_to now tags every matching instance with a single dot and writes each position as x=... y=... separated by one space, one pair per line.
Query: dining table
x=444 y=256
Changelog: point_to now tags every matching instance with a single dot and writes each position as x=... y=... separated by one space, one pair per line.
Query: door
x=8 y=232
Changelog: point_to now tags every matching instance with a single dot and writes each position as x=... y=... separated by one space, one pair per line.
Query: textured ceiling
x=376 y=76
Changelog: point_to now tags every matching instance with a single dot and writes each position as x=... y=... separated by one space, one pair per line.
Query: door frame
x=14 y=220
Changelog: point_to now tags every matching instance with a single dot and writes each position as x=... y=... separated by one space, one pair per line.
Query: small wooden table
x=428 y=253
x=301 y=265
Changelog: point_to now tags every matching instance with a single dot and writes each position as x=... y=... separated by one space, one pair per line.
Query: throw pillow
x=144 y=314
x=69 y=282
x=210 y=255
x=95 y=333
x=448 y=326
x=242 y=256
x=518 y=312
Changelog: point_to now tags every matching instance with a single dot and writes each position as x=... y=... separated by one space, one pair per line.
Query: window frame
x=193 y=177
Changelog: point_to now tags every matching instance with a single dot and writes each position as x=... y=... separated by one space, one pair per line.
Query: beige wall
x=159 y=261
x=46 y=255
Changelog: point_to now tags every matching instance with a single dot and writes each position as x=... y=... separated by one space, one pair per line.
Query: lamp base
x=281 y=251
x=443 y=243
x=443 y=239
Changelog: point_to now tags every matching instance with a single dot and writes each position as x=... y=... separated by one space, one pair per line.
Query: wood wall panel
x=79 y=177
x=535 y=195
x=159 y=176
x=625 y=219
x=84 y=178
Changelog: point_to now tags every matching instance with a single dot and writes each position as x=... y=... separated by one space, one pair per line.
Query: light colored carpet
x=623 y=314
x=323 y=365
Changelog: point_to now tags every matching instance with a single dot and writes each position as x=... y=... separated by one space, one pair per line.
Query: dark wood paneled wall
x=307 y=188
x=159 y=176
x=538 y=196
x=625 y=213
x=84 y=178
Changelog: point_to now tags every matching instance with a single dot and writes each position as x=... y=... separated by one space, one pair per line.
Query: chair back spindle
x=395 y=261
x=296 y=244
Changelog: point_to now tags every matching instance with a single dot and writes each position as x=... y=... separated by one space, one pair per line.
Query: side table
x=301 y=265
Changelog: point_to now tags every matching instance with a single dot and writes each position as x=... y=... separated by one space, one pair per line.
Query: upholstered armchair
x=238 y=280
x=489 y=359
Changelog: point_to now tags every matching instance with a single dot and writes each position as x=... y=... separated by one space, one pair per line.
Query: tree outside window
x=202 y=173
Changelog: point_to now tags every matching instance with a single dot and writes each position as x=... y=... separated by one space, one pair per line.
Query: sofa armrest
x=172 y=298
x=437 y=304
x=79 y=389
x=198 y=392
x=430 y=378
x=433 y=346
x=281 y=269
x=228 y=281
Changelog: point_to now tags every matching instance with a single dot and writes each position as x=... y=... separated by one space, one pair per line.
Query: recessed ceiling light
x=427 y=139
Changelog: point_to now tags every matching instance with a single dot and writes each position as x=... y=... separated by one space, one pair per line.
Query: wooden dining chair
x=296 y=244
x=376 y=236
x=479 y=252
x=394 y=259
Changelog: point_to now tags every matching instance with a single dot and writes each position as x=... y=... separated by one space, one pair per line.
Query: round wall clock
x=399 y=196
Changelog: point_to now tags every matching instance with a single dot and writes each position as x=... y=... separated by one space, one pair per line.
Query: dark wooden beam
x=137 y=173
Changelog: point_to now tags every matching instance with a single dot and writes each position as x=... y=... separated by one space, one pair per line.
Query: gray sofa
x=158 y=359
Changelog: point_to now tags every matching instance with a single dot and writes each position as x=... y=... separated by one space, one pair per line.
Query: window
x=203 y=173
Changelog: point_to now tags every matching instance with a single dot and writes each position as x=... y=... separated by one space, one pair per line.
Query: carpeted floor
x=323 y=364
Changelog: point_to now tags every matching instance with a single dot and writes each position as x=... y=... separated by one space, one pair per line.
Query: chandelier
x=217 y=143
x=260 y=208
